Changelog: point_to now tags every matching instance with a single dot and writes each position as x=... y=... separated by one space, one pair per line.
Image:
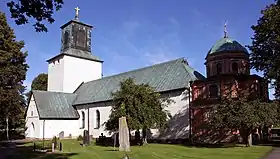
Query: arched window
x=219 y=68
x=208 y=70
x=97 y=119
x=83 y=119
x=213 y=89
x=234 y=67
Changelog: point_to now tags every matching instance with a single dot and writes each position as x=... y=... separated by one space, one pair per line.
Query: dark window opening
x=81 y=38
x=83 y=120
x=213 y=89
x=219 y=68
x=234 y=67
x=208 y=71
x=97 y=119
x=66 y=39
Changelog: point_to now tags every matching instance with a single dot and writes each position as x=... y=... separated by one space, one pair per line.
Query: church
x=79 y=97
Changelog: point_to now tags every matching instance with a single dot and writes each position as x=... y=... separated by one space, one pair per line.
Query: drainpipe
x=88 y=124
x=43 y=133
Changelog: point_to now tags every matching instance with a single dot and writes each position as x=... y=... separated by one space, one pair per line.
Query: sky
x=130 y=34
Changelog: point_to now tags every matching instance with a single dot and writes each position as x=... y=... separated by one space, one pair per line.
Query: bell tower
x=75 y=63
x=76 y=35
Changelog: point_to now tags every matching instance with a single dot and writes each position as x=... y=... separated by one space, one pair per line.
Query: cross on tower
x=77 y=9
x=225 y=30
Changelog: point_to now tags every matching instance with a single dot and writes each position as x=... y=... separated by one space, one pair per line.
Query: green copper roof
x=227 y=45
x=55 y=105
x=165 y=76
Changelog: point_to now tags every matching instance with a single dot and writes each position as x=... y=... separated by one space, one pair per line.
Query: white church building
x=79 y=97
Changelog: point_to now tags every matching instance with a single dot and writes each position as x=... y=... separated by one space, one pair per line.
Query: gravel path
x=275 y=154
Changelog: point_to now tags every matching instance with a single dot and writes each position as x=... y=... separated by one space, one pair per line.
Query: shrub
x=80 y=138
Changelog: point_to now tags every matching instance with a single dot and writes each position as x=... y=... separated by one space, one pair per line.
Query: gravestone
x=123 y=135
x=61 y=135
x=86 y=138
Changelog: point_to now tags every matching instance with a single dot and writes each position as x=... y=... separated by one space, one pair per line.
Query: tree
x=40 y=10
x=13 y=70
x=265 y=48
x=141 y=105
x=245 y=116
x=39 y=83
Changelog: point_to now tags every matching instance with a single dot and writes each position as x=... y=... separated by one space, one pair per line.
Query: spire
x=225 y=31
x=77 y=9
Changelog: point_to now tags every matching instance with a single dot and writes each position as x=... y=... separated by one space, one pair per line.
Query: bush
x=80 y=138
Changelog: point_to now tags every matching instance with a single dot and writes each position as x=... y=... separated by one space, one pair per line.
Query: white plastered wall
x=66 y=73
x=178 y=125
x=32 y=122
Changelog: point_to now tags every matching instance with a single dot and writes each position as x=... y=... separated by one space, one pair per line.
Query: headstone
x=52 y=147
x=86 y=138
x=61 y=135
x=123 y=135
x=250 y=140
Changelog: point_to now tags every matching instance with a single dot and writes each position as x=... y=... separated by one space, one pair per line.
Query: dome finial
x=225 y=30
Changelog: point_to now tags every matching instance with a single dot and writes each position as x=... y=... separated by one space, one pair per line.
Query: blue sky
x=131 y=34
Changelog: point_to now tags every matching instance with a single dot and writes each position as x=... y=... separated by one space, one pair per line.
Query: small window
x=213 y=89
x=31 y=113
x=234 y=67
x=97 y=119
x=219 y=68
x=83 y=120
x=208 y=71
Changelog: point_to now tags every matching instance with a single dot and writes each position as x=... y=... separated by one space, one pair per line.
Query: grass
x=73 y=150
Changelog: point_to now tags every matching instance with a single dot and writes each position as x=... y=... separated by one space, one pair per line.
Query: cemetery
x=151 y=99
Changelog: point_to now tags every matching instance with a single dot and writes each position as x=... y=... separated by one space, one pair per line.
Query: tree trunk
x=7 y=127
x=144 y=136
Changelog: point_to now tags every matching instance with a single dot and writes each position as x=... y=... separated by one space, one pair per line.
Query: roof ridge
x=134 y=70
x=53 y=92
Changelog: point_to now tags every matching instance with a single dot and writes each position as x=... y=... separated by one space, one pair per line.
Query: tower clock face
x=81 y=38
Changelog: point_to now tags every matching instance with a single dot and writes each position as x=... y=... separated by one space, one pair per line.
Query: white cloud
x=130 y=27
x=173 y=21
x=127 y=53
x=155 y=58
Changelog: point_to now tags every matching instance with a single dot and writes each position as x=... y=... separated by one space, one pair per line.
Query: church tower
x=75 y=63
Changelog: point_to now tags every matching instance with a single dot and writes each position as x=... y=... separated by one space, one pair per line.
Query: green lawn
x=73 y=150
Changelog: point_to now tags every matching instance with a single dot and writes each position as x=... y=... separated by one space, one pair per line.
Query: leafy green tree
x=245 y=116
x=39 y=10
x=265 y=50
x=39 y=83
x=141 y=105
x=13 y=68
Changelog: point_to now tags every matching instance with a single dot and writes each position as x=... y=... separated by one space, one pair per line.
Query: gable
x=171 y=75
x=32 y=108
x=55 y=105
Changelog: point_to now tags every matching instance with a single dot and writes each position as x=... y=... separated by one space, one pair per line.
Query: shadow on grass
x=26 y=152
